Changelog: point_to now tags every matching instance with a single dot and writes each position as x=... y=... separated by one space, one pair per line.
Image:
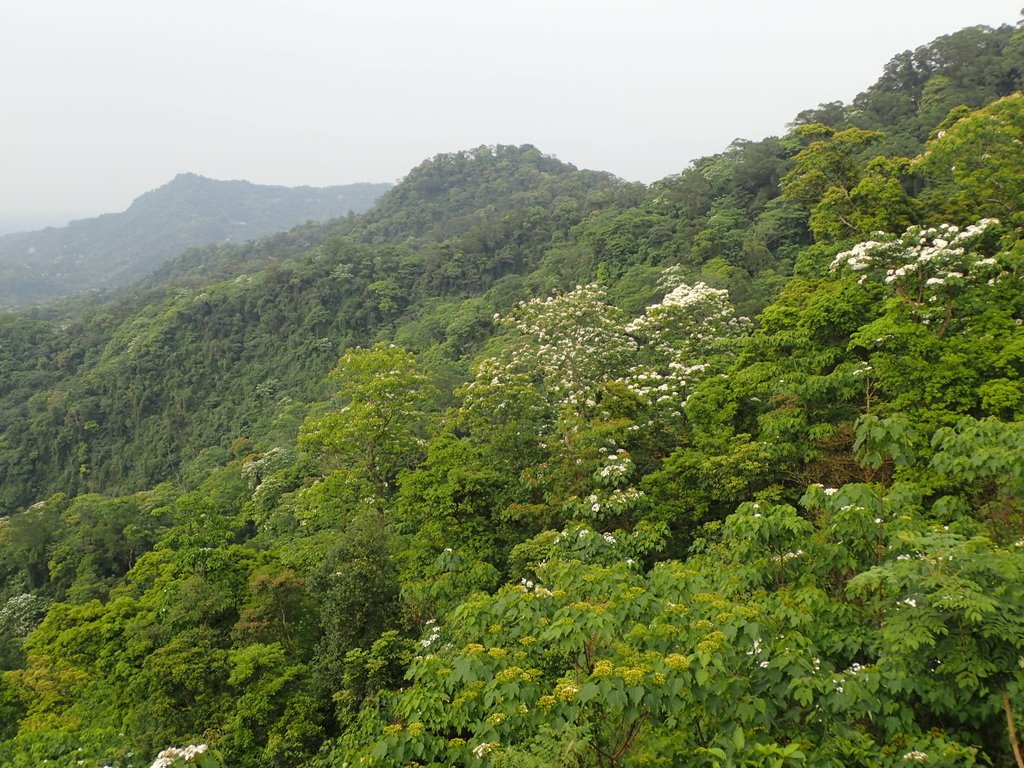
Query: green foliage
x=845 y=197
x=381 y=394
x=883 y=440
x=646 y=531
x=974 y=165
x=761 y=646
x=918 y=88
x=357 y=594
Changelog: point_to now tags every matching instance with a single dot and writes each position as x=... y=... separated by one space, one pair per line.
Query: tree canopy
x=531 y=466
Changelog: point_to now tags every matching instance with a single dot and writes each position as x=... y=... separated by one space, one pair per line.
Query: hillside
x=204 y=358
x=190 y=210
x=530 y=466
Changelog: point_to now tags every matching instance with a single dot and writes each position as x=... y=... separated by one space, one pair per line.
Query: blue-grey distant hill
x=118 y=248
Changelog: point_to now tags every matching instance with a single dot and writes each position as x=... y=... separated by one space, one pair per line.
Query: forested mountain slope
x=117 y=248
x=918 y=88
x=530 y=466
x=139 y=388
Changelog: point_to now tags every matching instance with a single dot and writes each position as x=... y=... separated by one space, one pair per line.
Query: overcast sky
x=103 y=100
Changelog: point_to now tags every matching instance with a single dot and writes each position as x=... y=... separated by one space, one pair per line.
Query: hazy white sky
x=105 y=99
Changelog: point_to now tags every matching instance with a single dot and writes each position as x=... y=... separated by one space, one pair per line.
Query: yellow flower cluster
x=462 y=698
x=710 y=598
x=509 y=675
x=714 y=642
x=633 y=675
x=512 y=674
x=566 y=690
x=677 y=662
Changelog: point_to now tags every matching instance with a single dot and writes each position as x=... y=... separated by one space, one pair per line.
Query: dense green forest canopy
x=531 y=466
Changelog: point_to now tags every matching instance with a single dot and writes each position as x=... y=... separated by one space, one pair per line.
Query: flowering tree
x=929 y=268
x=193 y=754
x=682 y=339
x=568 y=346
x=580 y=385
x=576 y=346
x=948 y=335
x=865 y=638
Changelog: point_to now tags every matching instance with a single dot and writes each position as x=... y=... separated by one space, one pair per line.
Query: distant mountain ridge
x=191 y=210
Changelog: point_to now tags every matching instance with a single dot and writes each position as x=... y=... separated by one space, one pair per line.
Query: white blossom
x=482 y=749
x=167 y=757
x=924 y=264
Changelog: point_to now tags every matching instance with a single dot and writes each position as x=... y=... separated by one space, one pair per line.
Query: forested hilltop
x=118 y=248
x=531 y=466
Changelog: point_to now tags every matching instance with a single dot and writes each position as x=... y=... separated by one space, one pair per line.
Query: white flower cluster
x=434 y=634
x=691 y=296
x=616 y=465
x=22 y=613
x=170 y=755
x=861 y=256
x=578 y=340
x=482 y=749
x=612 y=497
x=255 y=470
x=574 y=344
x=916 y=757
x=756 y=650
x=922 y=261
x=538 y=590
x=691 y=323
x=621 y=498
